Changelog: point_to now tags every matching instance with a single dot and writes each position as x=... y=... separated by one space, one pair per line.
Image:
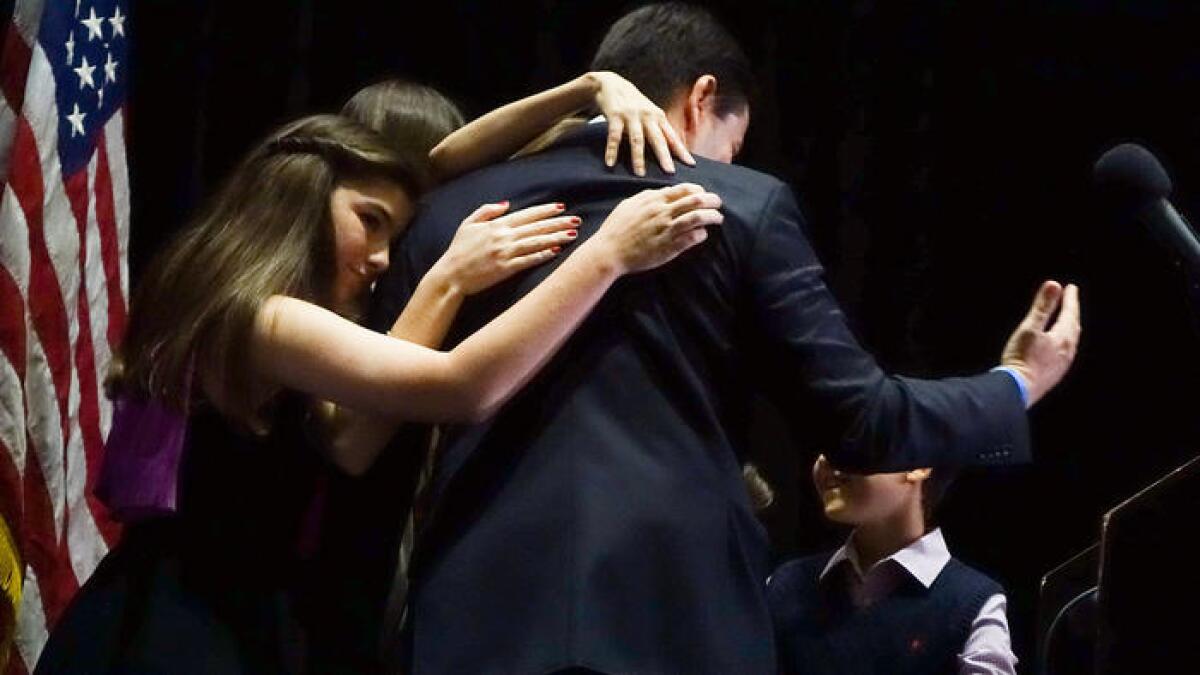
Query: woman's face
x=367 y=216
x=853 y=499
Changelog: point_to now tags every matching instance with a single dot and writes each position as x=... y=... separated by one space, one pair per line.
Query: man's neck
x=678 y=120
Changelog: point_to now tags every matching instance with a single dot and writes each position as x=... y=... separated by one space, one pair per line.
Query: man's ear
x=701 y=101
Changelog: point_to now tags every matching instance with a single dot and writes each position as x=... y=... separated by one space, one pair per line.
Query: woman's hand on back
x=654 y=226
x=491 y=246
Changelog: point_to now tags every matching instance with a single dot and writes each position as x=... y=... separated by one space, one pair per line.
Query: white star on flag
x=76 y=119
x=84 y=71
x=93 y=24
x=71 y=48
x=110 y=69
x=118 y=22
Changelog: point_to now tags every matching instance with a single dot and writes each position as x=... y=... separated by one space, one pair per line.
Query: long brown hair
x=411 y=117
x=267 y=231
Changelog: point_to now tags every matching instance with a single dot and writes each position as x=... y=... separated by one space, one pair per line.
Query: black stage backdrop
x=941 y=151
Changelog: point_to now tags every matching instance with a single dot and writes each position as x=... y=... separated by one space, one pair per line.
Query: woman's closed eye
x=371 y=221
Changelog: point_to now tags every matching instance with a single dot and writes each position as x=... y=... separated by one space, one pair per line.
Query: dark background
x=942 y=153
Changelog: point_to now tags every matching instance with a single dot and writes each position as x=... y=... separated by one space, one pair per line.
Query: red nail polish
x=504 y=203
x=556 y=249
x=575 y=220
x=572 y=233
x=561 y=206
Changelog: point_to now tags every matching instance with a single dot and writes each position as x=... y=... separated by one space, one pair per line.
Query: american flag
x=64 y=231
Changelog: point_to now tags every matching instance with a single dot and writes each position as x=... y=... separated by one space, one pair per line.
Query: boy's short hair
x=934 y=489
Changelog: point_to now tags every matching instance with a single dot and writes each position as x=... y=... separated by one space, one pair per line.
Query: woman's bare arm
x=304 y=347
x=501 y=132
x=490 y=246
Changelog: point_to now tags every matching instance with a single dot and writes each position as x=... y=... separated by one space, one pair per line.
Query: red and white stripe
x=63 y=290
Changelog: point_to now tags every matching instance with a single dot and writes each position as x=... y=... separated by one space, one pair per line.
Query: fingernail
x=572 y=233
x=575 y=220
x=556 y=249
x=503 y=203
x=560 y=206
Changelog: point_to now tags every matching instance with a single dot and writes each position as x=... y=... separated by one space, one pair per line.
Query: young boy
x=892 y=599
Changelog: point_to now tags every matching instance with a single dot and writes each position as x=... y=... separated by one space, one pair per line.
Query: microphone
x=1138 y=185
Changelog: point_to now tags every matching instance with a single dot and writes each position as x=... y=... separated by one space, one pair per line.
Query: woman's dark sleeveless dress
x=226 y=584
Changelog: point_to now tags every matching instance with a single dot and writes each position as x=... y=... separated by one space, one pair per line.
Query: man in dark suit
x=599 y=521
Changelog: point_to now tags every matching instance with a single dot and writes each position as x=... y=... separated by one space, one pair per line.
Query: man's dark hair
x=664 y=47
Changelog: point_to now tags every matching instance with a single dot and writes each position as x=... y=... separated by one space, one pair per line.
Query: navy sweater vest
x=913 y=630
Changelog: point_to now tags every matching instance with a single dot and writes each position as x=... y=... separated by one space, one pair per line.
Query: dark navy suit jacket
x=600 y=519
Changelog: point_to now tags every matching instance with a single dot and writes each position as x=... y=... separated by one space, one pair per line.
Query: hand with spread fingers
x=630 y=113
x=491 y=246
x=654 y=226
x=1042 y=350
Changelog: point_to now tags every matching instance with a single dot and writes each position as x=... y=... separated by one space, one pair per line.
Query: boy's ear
x=918 y=475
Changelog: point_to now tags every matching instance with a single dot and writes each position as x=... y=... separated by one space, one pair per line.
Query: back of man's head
x=664 y=47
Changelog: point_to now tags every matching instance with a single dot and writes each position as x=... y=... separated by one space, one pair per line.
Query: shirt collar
x=839 y=556
x=923 y=559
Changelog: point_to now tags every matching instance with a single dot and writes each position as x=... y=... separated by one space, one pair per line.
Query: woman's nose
x=378 y=261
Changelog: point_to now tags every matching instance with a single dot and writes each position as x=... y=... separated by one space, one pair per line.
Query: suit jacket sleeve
x=862 y=418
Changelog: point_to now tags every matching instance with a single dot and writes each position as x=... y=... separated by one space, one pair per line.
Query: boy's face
x=854 y=499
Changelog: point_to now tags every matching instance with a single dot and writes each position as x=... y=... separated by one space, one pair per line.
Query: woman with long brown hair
x=427 y=128
x=239 y=326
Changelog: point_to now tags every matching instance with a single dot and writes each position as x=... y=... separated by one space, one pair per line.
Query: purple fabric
x=140 y=474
